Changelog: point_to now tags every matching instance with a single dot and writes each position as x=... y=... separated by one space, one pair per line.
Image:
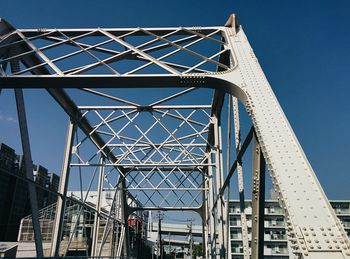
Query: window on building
x=234 y=208
x=235 y=221
x=235 y=234
x=346 y=222
x=236 y=248
x=341 y=208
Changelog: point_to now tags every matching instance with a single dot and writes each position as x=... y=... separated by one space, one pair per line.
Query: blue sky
x=302 y=46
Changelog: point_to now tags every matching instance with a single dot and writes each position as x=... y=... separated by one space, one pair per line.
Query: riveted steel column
x=223 y=206
x=94 y=248
x=29 y=170
x=211 y=245
x=61 y=200
x=258 y=200
x=204 y=213
x=218 y=181
x=228 y=166
x=244 y=224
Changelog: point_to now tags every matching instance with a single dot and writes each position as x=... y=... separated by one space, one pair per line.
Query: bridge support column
x=94 y=248
x=61 y=200
x=211 y=239
x=258 y=201
x=28 y=167
x=219 y=181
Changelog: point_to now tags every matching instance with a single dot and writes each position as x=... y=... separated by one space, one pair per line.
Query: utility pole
x=190 y=238
x=159 y=242
x=169 y=244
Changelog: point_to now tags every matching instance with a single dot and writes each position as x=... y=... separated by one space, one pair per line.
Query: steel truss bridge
x=173 y=153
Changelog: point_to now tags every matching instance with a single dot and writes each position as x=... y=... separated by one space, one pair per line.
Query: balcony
x=236 y=236
x=274 y=211
x=277 y=224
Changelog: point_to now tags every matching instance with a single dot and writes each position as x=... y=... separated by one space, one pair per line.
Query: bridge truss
x=174 y=152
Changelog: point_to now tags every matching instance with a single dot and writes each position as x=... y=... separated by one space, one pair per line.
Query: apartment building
x=14 y=191
x=275 y=238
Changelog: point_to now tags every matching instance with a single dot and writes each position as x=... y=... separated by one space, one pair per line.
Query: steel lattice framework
x=168 y=155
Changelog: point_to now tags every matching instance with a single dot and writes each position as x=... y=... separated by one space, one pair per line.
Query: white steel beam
x=211 y=245
x=28 y=167
x=218 y=185
x=311 y=222
x=96 y=227
x=228 y=164
x=244 y=224
x=63 y=187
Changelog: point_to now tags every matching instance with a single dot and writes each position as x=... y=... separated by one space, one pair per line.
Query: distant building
x=275 y=238
x=14 y=191
x=79 y=222
x=13 y=194
x=52 y=184
x=41 y=177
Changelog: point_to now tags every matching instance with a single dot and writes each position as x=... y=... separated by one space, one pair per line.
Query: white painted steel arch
x=313 y=227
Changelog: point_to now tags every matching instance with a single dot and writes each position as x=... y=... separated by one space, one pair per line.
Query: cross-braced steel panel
x=117 y=52
x=162 y=150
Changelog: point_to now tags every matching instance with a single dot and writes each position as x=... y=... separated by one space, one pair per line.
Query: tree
x=197 y=251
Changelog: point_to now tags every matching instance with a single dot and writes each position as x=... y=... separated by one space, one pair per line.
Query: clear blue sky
x=303 y=47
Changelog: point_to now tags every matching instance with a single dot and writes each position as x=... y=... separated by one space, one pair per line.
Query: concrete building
x=14 y=191
x=276 y=245
x=49 y=180
x=41 y=177
x=53 y=182
x=13 y=194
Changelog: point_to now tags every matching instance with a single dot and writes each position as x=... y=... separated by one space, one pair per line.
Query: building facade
x=14 y=191
x=275 y=237
x=13 y=194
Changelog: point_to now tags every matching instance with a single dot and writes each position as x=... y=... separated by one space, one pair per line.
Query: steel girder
x=313 y=229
